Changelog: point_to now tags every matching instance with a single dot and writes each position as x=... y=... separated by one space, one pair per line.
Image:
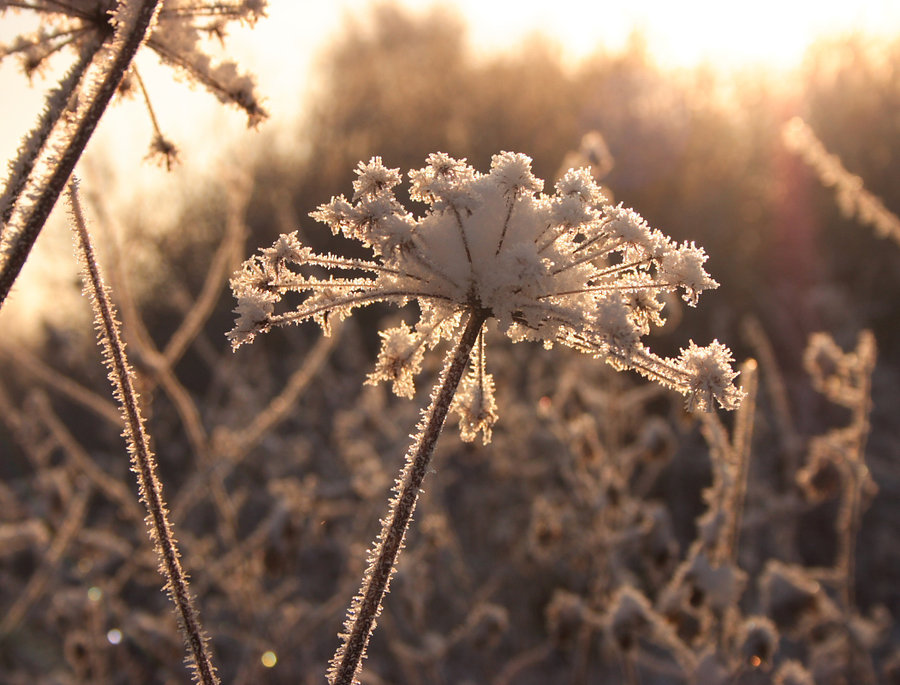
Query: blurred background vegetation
x=275 y=549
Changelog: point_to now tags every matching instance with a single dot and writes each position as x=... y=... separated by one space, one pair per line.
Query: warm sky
x=281 y=50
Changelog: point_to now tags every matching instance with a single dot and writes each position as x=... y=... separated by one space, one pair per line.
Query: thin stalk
x=852 y=508
x=35 y=216
x=143 y=462
x=462 y=232
x=741 y=445
x=32 y=146
x=505 y=226
x=366 y=606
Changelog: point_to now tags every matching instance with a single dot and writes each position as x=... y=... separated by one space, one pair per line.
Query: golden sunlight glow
x=281 y=51
x=768 y=33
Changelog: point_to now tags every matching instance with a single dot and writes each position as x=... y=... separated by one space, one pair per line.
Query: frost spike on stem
x=367 y=604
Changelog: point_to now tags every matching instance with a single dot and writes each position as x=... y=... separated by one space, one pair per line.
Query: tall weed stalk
x=143 y=461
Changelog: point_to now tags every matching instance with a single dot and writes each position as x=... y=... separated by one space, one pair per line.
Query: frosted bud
x=253 y=315
x=627 y=225
x=475 y=404
x=684 y=268
x=399 y=360
x=579 y=183
x=374 y=179
x=710 y=377
x=512 y=171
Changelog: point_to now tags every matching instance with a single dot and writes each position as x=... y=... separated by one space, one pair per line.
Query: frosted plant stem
x=33 y=144
x=741 y=445
x=34 y=217
x=366 y=605
x=143 y=462
x=852 y=508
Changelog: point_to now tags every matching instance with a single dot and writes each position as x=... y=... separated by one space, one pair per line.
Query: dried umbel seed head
x=716 y=587
x=656 y=439
x=548 y=527
x=658 y=546
x=177 y=38
x=698 y=592
x=567 y=268
x=487 y=625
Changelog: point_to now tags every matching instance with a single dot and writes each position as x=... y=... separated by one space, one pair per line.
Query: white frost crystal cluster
x=564 y=268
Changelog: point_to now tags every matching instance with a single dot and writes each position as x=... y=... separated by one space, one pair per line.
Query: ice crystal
x=567 y=268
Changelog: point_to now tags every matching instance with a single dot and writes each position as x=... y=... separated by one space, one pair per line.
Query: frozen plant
x=105 y=36
x=143 y=461
x=565 y=268
x=852 y=197
x=176 y=38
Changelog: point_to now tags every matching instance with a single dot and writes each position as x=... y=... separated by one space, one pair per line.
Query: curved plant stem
x=366 y=606
x=143 y=462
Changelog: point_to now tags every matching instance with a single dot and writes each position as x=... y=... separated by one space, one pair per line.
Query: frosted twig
x=20 y=236
x=852 y=197
x=367 y=604
x=142 y=457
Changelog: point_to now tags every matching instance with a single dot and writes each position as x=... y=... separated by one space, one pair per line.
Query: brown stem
x=142 y=458
x=366 y=605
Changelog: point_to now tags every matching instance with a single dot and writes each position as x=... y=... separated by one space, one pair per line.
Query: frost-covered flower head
x=565 y=268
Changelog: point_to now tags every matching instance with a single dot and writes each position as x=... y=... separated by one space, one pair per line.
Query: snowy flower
x=563 y=269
